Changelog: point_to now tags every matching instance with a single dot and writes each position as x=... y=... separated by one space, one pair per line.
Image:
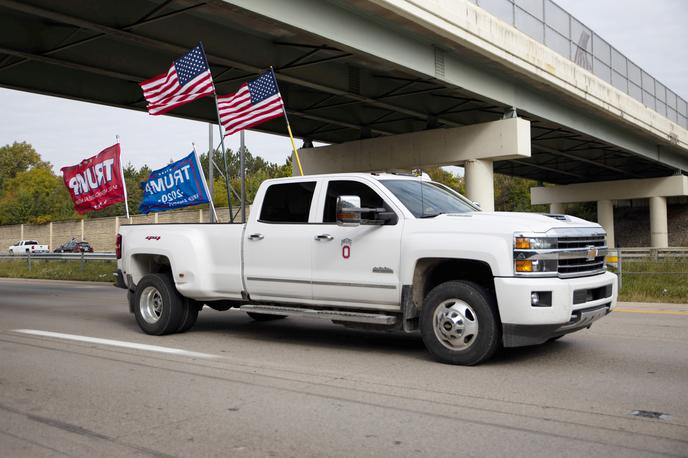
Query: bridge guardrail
x=551 y=25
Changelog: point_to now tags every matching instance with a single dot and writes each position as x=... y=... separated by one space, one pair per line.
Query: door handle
x=256 y=237
x=321 y=237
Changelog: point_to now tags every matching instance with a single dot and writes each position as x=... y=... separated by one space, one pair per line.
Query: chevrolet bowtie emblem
x=592 y=253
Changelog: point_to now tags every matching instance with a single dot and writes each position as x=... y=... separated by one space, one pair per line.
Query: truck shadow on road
x=312 y=334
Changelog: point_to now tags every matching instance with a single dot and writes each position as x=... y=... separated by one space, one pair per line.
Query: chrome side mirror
x=348 y=210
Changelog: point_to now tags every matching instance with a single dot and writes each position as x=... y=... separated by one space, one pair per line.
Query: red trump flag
x=96 y=182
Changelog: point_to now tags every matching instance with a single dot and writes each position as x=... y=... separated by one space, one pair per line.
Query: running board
x=335 y=315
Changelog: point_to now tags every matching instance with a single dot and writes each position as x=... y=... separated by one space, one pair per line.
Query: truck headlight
x=536 y=266
x=535 y=243
x=531 y=254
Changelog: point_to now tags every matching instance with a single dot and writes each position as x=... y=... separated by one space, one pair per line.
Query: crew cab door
x=278 y=242
x=356 y=266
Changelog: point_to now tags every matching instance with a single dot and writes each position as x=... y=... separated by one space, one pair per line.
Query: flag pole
x=211 y=169
x=205 y=184
x=242 y=164
x=286 y=118
x=124 y=182
x=222 y=141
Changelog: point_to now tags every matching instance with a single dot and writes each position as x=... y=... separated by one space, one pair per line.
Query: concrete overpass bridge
x=511 y=86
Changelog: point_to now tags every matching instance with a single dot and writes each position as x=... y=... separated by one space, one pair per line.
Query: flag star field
x=190 y=65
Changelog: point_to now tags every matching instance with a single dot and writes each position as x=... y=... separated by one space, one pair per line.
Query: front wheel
x=459 y=323
x=158 y=307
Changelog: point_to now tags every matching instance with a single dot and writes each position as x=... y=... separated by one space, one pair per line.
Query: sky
x=651 y=33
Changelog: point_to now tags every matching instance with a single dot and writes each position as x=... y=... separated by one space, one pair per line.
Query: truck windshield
x=431 y=200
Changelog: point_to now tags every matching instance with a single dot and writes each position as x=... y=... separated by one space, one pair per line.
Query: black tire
x=265 y=316
x=463 y=332
x=191 y=309
x=169 y=302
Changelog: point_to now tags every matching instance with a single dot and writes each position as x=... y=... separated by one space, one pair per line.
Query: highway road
x=302 y=388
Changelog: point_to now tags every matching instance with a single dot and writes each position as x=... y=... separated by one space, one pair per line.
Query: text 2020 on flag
x=187 y=79
x=255 y=102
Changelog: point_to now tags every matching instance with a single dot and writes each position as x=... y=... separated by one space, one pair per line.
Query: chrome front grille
x=581 y=242
x=586 y=256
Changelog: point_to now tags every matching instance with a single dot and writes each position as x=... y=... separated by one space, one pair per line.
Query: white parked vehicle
x=27 y=247
x=382 y=251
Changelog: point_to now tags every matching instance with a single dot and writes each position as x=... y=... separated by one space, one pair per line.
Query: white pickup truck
x=27 y=247
x=382 y=251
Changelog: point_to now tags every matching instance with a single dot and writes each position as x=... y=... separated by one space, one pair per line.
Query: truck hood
x=508 y=222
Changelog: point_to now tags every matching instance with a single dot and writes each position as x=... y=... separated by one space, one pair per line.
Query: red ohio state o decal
x=346 y=251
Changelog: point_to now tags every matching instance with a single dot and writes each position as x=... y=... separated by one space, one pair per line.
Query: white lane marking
x=115 y=343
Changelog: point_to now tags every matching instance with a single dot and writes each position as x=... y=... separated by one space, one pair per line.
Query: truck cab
x=385 y=251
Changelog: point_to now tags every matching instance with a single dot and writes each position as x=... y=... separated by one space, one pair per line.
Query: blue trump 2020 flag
x=178 y=185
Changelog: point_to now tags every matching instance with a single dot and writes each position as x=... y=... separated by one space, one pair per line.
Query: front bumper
x=524 y=324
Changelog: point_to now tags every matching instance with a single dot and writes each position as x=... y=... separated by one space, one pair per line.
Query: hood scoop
x=558 y=216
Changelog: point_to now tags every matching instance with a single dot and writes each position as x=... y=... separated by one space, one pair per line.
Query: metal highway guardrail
x=81 y=257
x=100 y=256
x=666 y=262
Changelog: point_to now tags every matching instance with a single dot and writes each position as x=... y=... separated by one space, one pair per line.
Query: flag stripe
x=230 y=121
x=255 y=121
x=171 y=90
x=226 y=116
x=244 y=105
x=202 y=89
x=157 y=110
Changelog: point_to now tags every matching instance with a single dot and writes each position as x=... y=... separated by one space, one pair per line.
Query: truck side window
x=287 y=202
x=369 y=198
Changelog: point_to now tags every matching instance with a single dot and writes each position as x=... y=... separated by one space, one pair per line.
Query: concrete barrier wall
x=99 y=232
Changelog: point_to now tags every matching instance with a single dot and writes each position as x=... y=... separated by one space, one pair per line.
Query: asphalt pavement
x=78 y=378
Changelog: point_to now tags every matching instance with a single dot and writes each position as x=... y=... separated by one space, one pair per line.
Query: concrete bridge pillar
x=605 y=192
x=557 y=208
x=605 y=216
x=659 y=232
x=479 y=178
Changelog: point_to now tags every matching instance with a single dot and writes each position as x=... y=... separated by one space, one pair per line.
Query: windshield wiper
x=432 y=215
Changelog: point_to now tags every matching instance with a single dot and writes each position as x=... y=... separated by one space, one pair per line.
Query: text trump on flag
x=96 y=182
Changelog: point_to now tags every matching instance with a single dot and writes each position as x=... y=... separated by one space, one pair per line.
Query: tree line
x=30 y=192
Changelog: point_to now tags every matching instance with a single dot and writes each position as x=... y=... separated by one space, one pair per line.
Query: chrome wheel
x=455 y=324
x=151 y=304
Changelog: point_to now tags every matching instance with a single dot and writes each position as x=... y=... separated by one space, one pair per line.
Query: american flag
x=187 y=79
x=255 y=102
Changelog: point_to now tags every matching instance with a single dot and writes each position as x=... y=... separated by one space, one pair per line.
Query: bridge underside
x=99 y=51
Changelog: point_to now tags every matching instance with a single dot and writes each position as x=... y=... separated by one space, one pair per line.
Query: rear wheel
x=459 y=323
x=158 y=307
x=131 y=299
x=265 y=316
x=191 y=309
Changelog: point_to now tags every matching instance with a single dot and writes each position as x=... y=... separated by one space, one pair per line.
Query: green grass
x=58 y=270
x=655 y=281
